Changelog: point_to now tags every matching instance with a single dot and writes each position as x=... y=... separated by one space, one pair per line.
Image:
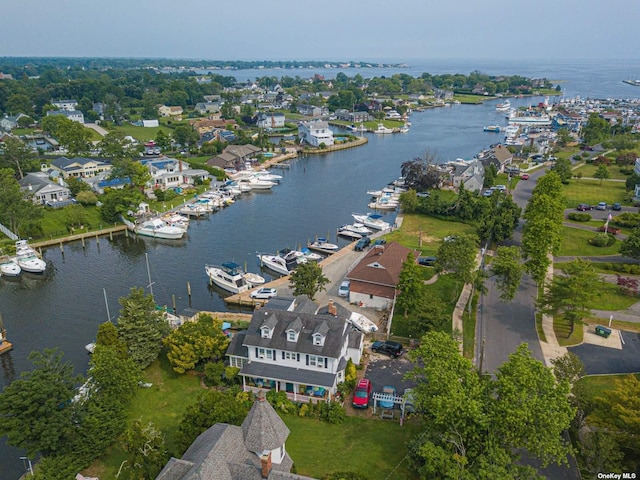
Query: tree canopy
x=308 y=279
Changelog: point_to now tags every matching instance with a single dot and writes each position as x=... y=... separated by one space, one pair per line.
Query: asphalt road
x=604 y=360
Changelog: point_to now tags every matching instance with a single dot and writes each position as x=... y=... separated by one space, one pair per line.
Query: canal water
x=316 y=195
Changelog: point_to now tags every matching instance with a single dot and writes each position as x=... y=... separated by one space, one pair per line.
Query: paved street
x=604 y=360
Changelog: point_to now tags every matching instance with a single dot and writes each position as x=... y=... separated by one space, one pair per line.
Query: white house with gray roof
x=42 y=190
x=315 y=133
x=293 y=346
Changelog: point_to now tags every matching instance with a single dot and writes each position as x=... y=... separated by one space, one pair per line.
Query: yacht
x=156 y=228
x=503 y=106
x=9 y=267
x=382 y=129
x=322 y=245
x=228 y=276
x=371 y=220
x=27 y=258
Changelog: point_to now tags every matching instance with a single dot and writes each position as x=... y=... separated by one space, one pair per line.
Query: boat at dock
x=28 y=259
x=228 y=276
x=635 y=83
x=362 y=323
x=344 y=232
x=155 y=228
x=9 y=267
x=503 y=106
x=284 y=262
x=492 y=128
x=322 y=245
x=382 y=129
x=371 y=220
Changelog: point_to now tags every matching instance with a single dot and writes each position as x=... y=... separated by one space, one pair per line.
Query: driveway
x=382 y=370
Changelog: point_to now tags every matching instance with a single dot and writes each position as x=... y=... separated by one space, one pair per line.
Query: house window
x=318 y=340
x=316 y=361
x=291 y=336
x=265 y=353
x=266 y=332
x=236 y=362
x=289 y=356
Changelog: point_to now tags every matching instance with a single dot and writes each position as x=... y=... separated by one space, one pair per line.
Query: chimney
x=332 y=309
x=265 y=463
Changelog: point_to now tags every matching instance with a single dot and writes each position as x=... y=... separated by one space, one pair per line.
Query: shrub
x=579 y=217
x=332 y=412
x=280 y=402
x=213 y=373
x=231 y=375
x=87 y=198
x=304 y=410
x=351 y=375
x=627 y=219
x=603 y=240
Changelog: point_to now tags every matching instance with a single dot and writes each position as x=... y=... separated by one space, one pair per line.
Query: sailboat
x=5 y=345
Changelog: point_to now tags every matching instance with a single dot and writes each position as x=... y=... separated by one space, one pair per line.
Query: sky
x=333 y=30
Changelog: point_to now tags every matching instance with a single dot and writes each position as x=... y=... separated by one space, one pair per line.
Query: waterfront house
x=499 y=156
x=374 y=280
x=68 y=104
x=312 y=110
x=169 y=172
x=353 y=117
x=74 y=115
x=42 y=190
x=270 y=120
x=469 y=174
x=80 y=167
x=292 y=345
x=315 y=133
x=255 y=450
x=234 y=157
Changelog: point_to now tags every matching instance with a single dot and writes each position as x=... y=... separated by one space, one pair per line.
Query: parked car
x=390 y=391
x=363 y=243
x=343 y=289
x=380 y=241
x=393 y=349
x=427 y=261
x=616 y=207
x=362 y=394
x=524 y=176
x=583 y=207
x=601 y=206
x=264 y=293
x=487 y=193
x=423 y=194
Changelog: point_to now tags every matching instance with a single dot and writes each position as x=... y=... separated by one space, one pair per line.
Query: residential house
x=374 y=280
x=234 y=157
x=353 y=117
x=293 y=346
x=169 y=172
x=255 y=450
x=6 y=76
x=270 y=120
x=312 y=110
x=499 y=156
x=100 y=183
x=213 y=98
x=167 y=111
x=9 y=122
x=212 y=123
x=43 y=191
x=315 y=133
x=470 y=174
x=203 y=108
x=75 y=115
x=80 y=167
x=636 y=166
x=65 y=104
x=41 y=142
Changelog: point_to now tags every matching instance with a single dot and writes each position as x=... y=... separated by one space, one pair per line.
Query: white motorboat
x=8 y=267
x=357 y=228
x=156 y=228
x=278 y=264
x=176 y=220
x=371 y=220
x=191 y=210
x=228 y=276
x=504 y=106
x=362 y=323
x=343 y=232
x=384 y=203
x=382 y=129
x=253 y=279
x=29 y=262
x=321 y=245
x=258 y=184
x=308 y=255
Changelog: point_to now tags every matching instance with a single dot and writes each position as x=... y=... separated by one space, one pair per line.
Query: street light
x=30 y=466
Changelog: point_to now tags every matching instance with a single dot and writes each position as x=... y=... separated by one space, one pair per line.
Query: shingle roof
x=382 y=266
x=263 y=429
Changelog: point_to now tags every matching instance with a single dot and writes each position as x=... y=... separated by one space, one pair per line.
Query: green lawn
x=562 y=329
x=469 y=328
x=53 y=222
x=575 y=242
x=370 y=447
x=611 y=298
x=142 y=134
x=589 y=170
x=163 y=404
x=597 y=385
x=592 y=192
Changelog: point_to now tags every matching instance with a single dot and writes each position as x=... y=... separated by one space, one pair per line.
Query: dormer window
x=265 y=332
x=318 y=339
x=292 y=336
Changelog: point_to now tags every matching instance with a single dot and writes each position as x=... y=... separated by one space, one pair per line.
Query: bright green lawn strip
x=471 y=99
x=142 y=134
x=575 y=242
x=589 y=170
x=596 y=224
x=611 y=298
x=592 y=192
x=433 y=231
x=163 y=404
x=562 y=329
x=539 y=329
x=598 y=267
x=597 y=385
x=469 y=328
x=370 y=447
x=53 y=222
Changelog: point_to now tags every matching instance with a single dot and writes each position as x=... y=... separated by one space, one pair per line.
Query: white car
x=601 y=206
x=343 y=290
x=264 y=293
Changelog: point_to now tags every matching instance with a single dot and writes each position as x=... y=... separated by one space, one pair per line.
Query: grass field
x=372 y=448
x=469 y=328
x=592 y=192
x=575 y=242
x=53 y=223
x=142 y=134
x=611 y=298
x=589 y=170
x=597 y=385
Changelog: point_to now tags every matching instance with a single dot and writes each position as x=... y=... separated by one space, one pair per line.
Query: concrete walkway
x=457 y=324
x=551 y=349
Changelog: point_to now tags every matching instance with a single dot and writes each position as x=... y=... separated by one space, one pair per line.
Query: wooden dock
x=118 y=229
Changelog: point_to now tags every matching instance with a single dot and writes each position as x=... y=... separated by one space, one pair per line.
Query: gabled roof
x=502 y=153
x=382 y=264
x=63 y=162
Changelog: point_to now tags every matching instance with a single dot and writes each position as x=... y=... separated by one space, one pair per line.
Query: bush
x=332 y=412
x=603 y=240
x=350 y=375
x=213 y=373
x=87 y=198
x=627 y=219
x=280 y=402
x=579 y=217
x=231 y=375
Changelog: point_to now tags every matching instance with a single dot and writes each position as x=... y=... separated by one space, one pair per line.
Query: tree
x=185 y=135
x=117 y=202
x=490 y=174
x=409 y=201
x=562 y=168
x=115 y=375
x=602 y=173
x=76 y=185
x=146 y=451
x=17 y=213
x=196 y=342
x=431 y=313
x=411 y=286
x=630 y=246
x=37 y=410
x=141 y=327
x=74 y=215
x=476 y=427
x=136 y=172
x=568 y=368
x=211 y=407
x=596 y=129
x=18 y=156
x=564 y=137
x=115 y=146
x=571 y=292
x=457 y=255
x=308 y=279
x=507 y=265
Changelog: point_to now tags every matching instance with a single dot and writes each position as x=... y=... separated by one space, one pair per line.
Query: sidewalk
x=458 y=311
x=551 y=349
